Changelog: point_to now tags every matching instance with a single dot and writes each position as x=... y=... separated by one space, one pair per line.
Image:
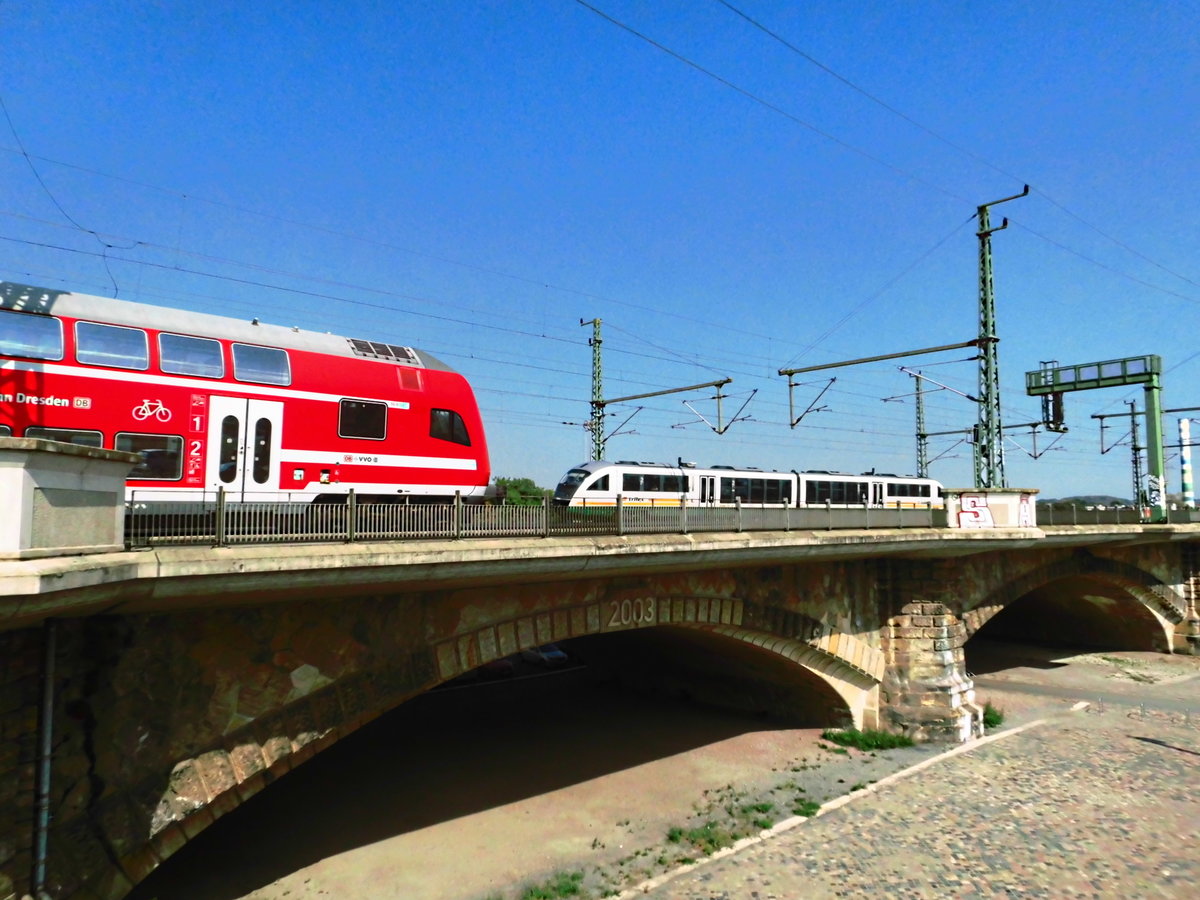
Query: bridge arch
x=845 y=665
x=1086 y=600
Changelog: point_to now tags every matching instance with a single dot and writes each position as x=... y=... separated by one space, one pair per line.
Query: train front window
x=570 y=484
x=447 y=425
x=162 y=455
x=66 y=436
x=261 y=365
x=35 y=337
x=182 y=355
x=111 y=345
x=362 y=419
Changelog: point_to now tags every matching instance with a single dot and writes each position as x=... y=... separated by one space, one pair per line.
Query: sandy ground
x=483 y=792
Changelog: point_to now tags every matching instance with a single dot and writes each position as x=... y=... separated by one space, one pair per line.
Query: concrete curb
x=836 y=803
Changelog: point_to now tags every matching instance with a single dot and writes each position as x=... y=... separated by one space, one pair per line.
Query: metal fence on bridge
x=213 y=520
x=1075 y=514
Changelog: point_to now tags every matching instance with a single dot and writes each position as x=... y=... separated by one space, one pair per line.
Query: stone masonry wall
x=20 y=683
x=165 y=722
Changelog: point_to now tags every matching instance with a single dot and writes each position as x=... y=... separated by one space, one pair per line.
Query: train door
x=877 y=493
x=708 y=489
x=244 y=440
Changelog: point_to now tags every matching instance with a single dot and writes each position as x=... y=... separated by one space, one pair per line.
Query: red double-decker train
x=209 y=402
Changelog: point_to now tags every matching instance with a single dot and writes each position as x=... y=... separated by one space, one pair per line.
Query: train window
x=36 y=337
x=111 y=345
x=908 y=490
x=835 y=491
x=362 y=419
x=162 y=455
x=182 y=355
x=642 y=482
x=261 y=365
x=772 y=493
x=262 y=451
x=851 y=492
x=447 y=425
x=230 y=442
x=600 y=484
x=66 y=436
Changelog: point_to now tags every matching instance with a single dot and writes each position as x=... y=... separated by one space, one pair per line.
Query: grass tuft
x=805 y=808
x=866 y=740
x=992 y=717
x=707 y=838
x=562 y=884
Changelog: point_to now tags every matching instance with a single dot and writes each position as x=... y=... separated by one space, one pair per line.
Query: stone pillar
x=1190 y=557
x=926 y=690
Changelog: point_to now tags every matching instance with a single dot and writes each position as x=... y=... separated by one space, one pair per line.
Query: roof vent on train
x=376 y=350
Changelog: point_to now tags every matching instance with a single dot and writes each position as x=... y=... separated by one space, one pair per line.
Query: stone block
x=216 y=771
x=275 y=749
x=247 y=760
x=197 y=822
x=251 y=786
x=138 y=865
x=224 y=803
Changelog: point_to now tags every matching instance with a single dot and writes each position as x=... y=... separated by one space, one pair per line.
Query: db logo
x=83 y=403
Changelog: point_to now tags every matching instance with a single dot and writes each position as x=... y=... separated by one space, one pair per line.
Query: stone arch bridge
x=181 y=681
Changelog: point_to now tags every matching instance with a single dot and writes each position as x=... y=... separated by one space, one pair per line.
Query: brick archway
x=849 y=666
x=1159 y=602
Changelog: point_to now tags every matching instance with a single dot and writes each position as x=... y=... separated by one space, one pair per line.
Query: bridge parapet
x=61 y=499
x=991 y=507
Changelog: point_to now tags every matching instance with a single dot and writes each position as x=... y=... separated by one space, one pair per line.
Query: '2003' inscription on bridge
x=639 y=611
x=635 y=612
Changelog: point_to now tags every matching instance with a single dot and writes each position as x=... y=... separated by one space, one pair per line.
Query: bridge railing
x=1076 y=514
x=213 y=520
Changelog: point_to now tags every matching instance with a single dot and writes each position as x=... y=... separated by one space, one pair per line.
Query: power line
x=943 y=139
x=766 y=104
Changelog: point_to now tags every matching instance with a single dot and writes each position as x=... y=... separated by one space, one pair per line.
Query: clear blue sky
x=474 y=177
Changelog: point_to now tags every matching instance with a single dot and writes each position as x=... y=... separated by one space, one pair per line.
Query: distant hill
x=1089 y=500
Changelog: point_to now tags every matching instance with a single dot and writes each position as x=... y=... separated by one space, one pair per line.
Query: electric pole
x=1139 y=492
x=922 y=437
x=596 y=424
x=989 y=437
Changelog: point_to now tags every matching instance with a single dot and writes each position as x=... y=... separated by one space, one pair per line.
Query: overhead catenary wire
x=532 y=334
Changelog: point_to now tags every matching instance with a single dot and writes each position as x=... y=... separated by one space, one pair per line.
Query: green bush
x=805 y=808
x=866 y=740
x=564 y=884
x=992 y=717
x=708 y=838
